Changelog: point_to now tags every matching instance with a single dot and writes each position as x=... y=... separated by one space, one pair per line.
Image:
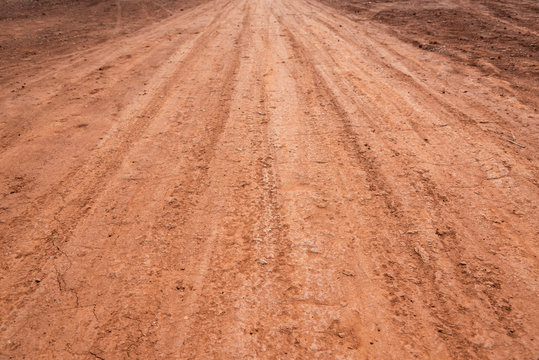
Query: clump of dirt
x=34 y=30
x=499 y=37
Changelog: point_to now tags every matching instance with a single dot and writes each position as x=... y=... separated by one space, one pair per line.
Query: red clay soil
x=268 y=179
x=500 y=37
x=33 y=31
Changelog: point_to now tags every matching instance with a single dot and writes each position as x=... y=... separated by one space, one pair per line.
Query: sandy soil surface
x=499 y=37
x=263 y=179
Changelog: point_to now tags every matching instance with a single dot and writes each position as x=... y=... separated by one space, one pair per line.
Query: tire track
x=73 y=81
x=68 y=216
x=283 y=188
x=456 y=333
x=229 y=263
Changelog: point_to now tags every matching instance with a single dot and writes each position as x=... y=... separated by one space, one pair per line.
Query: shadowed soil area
x=499 y=37
x=33 y=31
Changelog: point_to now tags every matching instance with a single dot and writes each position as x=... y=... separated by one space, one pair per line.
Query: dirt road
x=266 y=179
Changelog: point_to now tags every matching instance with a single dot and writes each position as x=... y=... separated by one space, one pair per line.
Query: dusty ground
x=34 y=33
x=500 y=37
x=264 y=179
